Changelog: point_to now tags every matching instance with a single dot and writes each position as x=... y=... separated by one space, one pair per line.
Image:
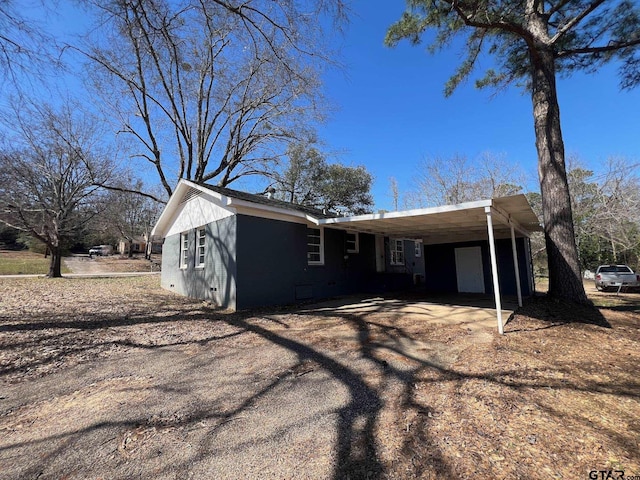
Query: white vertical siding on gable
x=197 y=212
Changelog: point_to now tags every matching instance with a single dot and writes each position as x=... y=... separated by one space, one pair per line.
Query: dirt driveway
x=115 y=378
x=85 y=265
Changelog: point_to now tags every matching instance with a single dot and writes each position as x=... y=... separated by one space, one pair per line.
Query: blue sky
x=392 y=111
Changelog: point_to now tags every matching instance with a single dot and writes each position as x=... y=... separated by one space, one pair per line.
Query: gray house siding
x=440 y=263
x=273 y=269
x=401 y=277
x=252 y=262
x=216 y=281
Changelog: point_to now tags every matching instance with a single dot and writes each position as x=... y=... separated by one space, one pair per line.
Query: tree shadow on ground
x=379 y=341
x=554 y=312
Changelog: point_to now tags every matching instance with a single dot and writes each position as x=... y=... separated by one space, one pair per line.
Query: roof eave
x=236 y=202
x=162 y=225
x=408 y=213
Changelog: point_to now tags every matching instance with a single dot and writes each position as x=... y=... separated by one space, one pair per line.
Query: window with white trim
x=418 y=248
x=200 y=243
x=315 y=246
x=353 y=242
x=396 y=248
x=184 y=249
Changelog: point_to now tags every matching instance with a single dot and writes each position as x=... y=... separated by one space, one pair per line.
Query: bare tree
x=47 y=178
x=127 y=214
x=455 y=180
x=618 y=213
x=606 y=211
x=393 y=188
x=22 y=42
x=210 y=90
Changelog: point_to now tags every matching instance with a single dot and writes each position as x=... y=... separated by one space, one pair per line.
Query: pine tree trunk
x=55 y=270
x=565 y=281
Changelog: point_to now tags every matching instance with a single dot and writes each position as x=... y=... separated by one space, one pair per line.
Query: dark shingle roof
x=263 y=200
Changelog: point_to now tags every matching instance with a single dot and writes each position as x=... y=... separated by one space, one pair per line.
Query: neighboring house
x=139 y=245
x=240 y=250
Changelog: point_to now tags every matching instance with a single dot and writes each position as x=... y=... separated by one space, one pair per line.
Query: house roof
x=264 y=200
x=445 y=224
x=233 y=201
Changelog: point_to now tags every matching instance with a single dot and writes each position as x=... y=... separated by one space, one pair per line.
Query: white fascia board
x=163 y=224
x=231 y=203
x=409 y=213
x=237 y=203
x=170 y=208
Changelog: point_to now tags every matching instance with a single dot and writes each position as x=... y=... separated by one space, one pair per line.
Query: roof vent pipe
x=270 y=192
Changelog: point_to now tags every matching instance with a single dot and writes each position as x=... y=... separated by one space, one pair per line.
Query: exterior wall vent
x=190 y=195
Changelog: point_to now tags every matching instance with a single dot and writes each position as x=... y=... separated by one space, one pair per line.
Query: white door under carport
x=469 y=271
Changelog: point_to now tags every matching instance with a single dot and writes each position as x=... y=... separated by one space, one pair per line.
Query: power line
x=618 y=170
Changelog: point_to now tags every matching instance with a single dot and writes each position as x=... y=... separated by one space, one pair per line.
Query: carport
x=489 y=220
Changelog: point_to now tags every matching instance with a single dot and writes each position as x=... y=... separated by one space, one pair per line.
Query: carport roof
x=447 y=224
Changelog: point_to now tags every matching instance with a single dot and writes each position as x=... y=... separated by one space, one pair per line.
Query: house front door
x=469 y=271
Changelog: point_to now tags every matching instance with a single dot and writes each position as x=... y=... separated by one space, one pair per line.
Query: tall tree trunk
x=564 y=271
x=55 y=270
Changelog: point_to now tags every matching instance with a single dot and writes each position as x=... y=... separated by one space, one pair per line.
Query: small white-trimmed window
x=184 y=249
x=201 y=238
x=418 y=248
x=353 y=242
x=397 y=252
x=315 y=246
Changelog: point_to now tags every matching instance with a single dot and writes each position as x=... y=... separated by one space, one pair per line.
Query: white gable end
x=196 y=212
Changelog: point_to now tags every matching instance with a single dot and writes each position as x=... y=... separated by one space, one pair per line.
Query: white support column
x=515 y=264
x=494 y=270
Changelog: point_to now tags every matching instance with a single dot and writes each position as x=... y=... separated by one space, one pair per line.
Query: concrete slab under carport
x=475 y=312
x=430 y=329
x=506 y=217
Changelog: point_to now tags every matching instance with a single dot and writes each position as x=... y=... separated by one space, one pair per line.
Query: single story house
x=240 y=250
x=139 y=245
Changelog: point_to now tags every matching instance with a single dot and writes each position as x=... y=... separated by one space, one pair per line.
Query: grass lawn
x=24 y=263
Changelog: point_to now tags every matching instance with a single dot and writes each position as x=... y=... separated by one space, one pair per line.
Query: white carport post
x=494 y=270
x=515 y=263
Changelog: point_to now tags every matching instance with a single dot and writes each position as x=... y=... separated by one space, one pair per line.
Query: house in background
x=139 y=245
x=240 y=250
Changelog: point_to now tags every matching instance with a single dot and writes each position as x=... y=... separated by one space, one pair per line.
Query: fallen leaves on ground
x=552 y=398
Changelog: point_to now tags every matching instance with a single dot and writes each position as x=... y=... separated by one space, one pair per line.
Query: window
x=397 y=252
x=353 y=242
x=184 y=249
x=315 y=246
x=418 y=248
x=201 y=238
